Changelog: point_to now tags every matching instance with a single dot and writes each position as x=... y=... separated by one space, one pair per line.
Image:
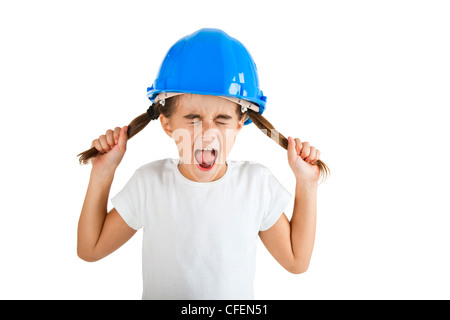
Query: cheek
x=183 y=138
x=228 y=139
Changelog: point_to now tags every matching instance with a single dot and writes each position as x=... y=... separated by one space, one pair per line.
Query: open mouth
x=206 y=158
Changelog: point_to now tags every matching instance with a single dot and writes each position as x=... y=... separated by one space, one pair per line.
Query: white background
x=366 y=82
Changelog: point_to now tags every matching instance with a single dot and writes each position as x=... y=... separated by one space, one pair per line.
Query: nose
x=208 y=126
x=209 y=131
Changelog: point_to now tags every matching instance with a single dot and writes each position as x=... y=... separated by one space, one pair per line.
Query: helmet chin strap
x=243 y=103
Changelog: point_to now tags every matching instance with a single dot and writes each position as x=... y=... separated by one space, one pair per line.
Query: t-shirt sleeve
x=277 y=198
x=129 y=202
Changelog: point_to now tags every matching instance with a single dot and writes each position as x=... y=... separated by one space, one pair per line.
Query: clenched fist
x=302 y=158
x=112 y=145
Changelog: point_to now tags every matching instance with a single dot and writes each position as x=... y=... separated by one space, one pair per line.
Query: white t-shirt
x=200 y=238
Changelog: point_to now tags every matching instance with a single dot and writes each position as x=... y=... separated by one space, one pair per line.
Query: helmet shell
x=209 y=62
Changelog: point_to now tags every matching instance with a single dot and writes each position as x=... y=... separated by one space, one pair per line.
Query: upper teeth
x=207 y=149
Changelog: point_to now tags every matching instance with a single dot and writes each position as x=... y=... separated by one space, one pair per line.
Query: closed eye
x=198 y=118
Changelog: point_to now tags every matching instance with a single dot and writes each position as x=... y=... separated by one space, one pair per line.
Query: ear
x=165 y=123
x=241 y=122
x=240 y=125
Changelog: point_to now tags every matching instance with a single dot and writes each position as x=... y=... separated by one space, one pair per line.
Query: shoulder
x=157 y=168
x=157 y=165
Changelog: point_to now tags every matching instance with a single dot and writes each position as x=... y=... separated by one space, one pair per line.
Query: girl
x=202 y=213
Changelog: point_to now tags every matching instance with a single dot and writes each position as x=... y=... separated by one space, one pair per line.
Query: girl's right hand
x=112 y=146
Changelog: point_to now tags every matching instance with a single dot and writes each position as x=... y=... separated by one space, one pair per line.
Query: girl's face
x=204 y=128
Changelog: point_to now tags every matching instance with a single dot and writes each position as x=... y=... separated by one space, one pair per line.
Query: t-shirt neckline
x=180 y=176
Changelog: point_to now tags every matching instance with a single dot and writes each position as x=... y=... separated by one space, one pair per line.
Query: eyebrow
x=220 y=116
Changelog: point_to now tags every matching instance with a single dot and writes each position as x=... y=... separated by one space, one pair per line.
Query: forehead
x=205 y=104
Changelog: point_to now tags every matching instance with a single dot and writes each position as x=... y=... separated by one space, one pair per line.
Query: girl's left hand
x=302 y=158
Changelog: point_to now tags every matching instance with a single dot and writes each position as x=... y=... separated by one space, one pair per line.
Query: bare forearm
x=303 y=223
x=94 y=211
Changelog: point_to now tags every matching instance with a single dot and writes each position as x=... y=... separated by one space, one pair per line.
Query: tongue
x=205 y=156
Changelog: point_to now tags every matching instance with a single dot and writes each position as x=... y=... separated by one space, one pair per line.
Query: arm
x=99 y=233
x=291 y=243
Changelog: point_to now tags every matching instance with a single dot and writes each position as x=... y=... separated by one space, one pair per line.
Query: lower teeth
x=206 y=165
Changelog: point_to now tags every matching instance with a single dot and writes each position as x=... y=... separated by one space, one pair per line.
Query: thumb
x=122 y=142
x=292 y=153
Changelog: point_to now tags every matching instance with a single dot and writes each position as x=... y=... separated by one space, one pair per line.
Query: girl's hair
x=269 y=130
x=168 y=109
x=137 y=125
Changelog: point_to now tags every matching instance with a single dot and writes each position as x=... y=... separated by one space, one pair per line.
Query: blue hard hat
x=209 y=62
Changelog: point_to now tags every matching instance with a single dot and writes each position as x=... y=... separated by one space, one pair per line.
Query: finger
x=110 y=138
x=317 y=156
x=306 y=150
x=104 y=143
x=298 y=146
x=312 y=155
x=116 y=134
x=97 y=145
